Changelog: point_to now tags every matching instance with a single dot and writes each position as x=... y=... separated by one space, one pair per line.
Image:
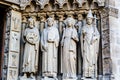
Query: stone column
x=42 y=25
x=61 y=24
x=60 y=29
x=79 y=26
x=24 y=25
x=42 y=22
x=14 y=45
x=108 y=16
x=6 y=46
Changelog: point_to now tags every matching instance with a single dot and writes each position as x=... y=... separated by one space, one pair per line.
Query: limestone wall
x=115 y=42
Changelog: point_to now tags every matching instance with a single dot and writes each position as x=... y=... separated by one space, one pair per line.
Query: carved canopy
x=42 y=3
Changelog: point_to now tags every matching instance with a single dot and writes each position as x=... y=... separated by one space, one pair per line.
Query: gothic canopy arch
x=42 y=3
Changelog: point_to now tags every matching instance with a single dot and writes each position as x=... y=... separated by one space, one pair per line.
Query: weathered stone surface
x=108 y=19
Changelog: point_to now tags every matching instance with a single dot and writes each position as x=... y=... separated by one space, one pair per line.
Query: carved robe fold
x=90 y=49
x=49 y=46
x=69 y=52
x=30 y=62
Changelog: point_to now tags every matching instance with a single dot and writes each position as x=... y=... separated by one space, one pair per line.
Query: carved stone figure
x=15 y=39
x=49 y=47
x=30 y=60
x=12 y=74
x=69 y=39
x=90 y=47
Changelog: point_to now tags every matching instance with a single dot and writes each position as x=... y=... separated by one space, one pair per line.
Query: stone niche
x=59 y=10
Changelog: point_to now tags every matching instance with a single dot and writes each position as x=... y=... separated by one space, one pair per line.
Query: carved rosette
x=42 y=3
x=61 y=2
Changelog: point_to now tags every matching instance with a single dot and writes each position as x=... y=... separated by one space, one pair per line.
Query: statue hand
x=46 y=48
x=36 y=68
x=62 y=43
x=50 y=41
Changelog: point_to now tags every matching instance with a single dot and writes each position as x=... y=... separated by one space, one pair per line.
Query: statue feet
x=24 y=77
x=32 y=76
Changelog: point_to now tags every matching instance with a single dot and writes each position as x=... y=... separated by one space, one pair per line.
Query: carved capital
x=42 y=17
x=79 y=15
x=51 y=14
x=24 y=19
x=60 y=15
x=70 y=14
x=113 y=12
x=109 y=11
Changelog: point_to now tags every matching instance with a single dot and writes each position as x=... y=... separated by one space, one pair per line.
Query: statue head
x=80 y=17
x=31 y=22
x=50 y=22
x=70 y=22
x=89 y=18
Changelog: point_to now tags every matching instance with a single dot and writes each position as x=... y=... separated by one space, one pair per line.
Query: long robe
x=49 y=46
x=90 y=49
x=30 y=62
x=69 y=52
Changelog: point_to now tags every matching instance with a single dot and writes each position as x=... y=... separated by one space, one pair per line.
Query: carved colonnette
x=6 y=48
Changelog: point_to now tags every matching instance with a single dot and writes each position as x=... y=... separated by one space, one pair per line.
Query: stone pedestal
x=25 y=78
x=89 y=79
x=69 y=79
x=47 y=78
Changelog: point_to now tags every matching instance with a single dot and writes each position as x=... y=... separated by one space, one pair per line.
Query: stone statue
x=68 y=43
x=49 y=47
x=32 y=38
x=90 y=47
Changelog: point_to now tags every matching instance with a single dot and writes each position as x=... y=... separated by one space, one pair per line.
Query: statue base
x=25 y=78
x=69 y=79
x=48 y=78
x=88 y=78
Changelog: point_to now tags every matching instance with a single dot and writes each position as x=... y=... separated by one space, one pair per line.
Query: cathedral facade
x=59 y=40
